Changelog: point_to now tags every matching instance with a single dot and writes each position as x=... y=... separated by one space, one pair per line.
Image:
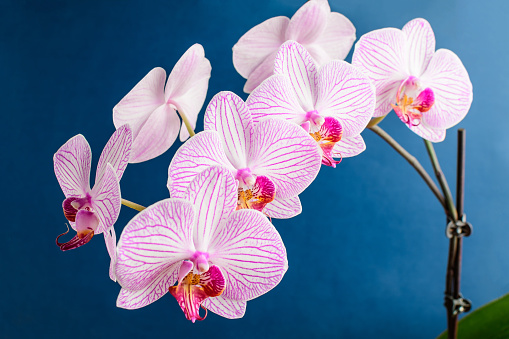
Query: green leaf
x=491 y=321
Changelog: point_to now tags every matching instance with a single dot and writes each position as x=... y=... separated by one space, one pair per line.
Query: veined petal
x=276 y=97
x=225 y=307
x=286 y=154
x=157 y=134
x=213 y=192
x=264 y=70
x=309 y=22
x=106 y=199
x=346 y=94
x=117 y=152
x=420 y=46
x=283 y=208
x=451 y=85
x=72 y=166
x=335 y=41
x=428 y=133
x=110 y=239
x=202 y=151
x=295 y=62
x=381 y=55
x=152 y=247
x=228 y=115
x=349 y=147
x=135 y=108
x=187 y=85
x=250 y=253
x=156 y=288
x=258 y=43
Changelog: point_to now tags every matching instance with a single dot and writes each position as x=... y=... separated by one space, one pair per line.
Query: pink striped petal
x=250 y=253
x=200 y=152
x=420 y=46
x=286 y=154
x=452 y=88
x=295 y=62
x=346 y=94
x=380 y=54
x=187 y=85
x=309 y=22
x=110 y=239
x=72 y=166
x=428 y=133
x=135 y=108
x=264 y=70
x=213 y=193
x=106 y=200
x=259 y=43
x=228 y=308
x=229 y=116
x=157 y=134
x=349 y=147
x=156 y=288
x=276 y=96
x=335 y=41
x=283 y=208
x=152 y=247
x=117 y=153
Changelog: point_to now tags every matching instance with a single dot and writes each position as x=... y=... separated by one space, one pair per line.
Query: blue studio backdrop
x=367 y=256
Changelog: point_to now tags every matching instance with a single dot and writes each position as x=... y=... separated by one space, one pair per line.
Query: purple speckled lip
x=92 y=211
x=302 y=92
x=443 y=83
x=280 y=151
x=198 y=241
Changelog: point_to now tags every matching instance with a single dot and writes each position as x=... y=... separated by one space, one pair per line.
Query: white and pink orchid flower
x=334 y=102
x=150 y=108
x=273 y=161
x=326 y=35
x=429 y=90
x=92 y=211
x=220 y=258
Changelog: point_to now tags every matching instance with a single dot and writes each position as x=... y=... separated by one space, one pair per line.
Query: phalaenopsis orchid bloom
x=218 y=257
x=150 y=108
x=272 y=161
x=326 y=35
x=334 y=102
x=429 y=90
x=92 y=211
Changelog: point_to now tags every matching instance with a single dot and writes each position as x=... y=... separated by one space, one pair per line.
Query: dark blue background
x=367 y=256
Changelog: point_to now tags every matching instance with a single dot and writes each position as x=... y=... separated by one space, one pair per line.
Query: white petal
x=213 y=193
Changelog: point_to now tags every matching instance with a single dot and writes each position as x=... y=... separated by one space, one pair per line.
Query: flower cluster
x=212 y=244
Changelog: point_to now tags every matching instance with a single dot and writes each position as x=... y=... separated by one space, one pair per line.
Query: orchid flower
x=150 y=107
x=273 y=161
x=92 y=211
x=334 y=102
x=429 y=90
x=326 y=35
x=220 y=258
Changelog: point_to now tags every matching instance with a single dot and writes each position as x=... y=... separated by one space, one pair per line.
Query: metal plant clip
x=459 y=228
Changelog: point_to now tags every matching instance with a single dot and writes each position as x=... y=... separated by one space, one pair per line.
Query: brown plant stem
x=412 y=161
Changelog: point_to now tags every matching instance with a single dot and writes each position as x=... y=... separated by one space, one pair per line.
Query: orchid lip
x=78 y=240
x=411 y=101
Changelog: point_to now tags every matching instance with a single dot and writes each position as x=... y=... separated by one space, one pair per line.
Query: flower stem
x=450 y=208
x=412 y=161
x=187 y=123
x=132 y=205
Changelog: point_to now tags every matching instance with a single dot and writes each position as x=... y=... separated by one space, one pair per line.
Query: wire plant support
x=455 y=231
x=457 y=226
